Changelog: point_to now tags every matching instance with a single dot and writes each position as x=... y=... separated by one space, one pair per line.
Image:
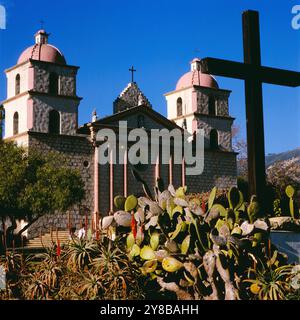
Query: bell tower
x=41 y=93
x=199 y=103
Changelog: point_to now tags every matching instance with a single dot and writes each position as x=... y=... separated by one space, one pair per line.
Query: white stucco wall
x=19 y=105
x=187 y=102
x=24 y=72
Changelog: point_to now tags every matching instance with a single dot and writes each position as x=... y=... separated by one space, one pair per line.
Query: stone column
x=111 y=181
x=125 y=174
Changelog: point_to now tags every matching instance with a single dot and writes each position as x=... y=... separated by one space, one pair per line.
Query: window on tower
x=16 y=123
x=54 y=83
x=179 y=107
x=214 y=139
x=211 y=106
x=54 y=122
x=17 y=84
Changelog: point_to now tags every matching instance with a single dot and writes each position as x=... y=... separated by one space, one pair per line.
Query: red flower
x=133 y=226
x=58 y=249
x=203 y=206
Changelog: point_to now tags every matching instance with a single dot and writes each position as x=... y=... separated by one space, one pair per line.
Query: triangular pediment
x=131 y=97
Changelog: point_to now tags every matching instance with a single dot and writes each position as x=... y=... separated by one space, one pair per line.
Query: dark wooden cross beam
x=254 y=74
x=132 y=70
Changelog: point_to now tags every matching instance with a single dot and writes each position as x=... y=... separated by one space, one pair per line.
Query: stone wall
x=79 y=154
x=222 y=125
x=221 y=100
x=68 y=110
x=67 y=78
x=220 y=170
x=129 y=98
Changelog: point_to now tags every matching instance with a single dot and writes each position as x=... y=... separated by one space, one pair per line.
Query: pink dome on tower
x=196 y=78
x=42 y=51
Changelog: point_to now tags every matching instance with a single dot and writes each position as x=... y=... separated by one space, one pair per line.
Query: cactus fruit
x=131 y=203
x=119 y=202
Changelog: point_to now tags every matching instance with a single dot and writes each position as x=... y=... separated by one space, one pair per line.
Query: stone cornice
x=32 y=62
x=224 y=91
x=198 y=114
x=36 y=93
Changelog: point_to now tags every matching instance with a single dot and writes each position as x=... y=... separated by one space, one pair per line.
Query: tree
x=283 y=173
x=33 y=184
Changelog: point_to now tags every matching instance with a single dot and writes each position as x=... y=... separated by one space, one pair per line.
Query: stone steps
x=47 y=241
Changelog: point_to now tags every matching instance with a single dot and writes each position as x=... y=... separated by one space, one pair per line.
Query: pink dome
x=42 y=51
x=196 y=78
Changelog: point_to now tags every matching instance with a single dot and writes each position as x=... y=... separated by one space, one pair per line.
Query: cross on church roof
x=132 y=70
x=254 y=74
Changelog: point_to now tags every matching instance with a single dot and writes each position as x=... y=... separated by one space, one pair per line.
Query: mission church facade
x=41 y=112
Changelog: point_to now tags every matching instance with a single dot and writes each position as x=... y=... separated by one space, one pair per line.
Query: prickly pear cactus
x=119 y=202
x=290 y=192
x=195 y=249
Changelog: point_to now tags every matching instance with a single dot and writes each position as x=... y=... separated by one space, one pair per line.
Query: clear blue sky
x=159 y=38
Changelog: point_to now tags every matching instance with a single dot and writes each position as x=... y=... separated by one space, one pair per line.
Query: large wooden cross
x=254 y=74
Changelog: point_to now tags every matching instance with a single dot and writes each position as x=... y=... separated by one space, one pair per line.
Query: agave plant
x=80 y=254
x=36 y=289
x=271 y=284
x=90 y=287
x=119 y=278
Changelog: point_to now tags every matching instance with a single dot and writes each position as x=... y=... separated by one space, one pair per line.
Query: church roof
x=112 y=119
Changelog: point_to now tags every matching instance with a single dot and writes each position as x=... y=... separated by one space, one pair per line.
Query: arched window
x=179 y=107
x=211 y=106
x=53 y=83
x=214 y=139
x=17 y=84
x=54 y=122
x=16 y=123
